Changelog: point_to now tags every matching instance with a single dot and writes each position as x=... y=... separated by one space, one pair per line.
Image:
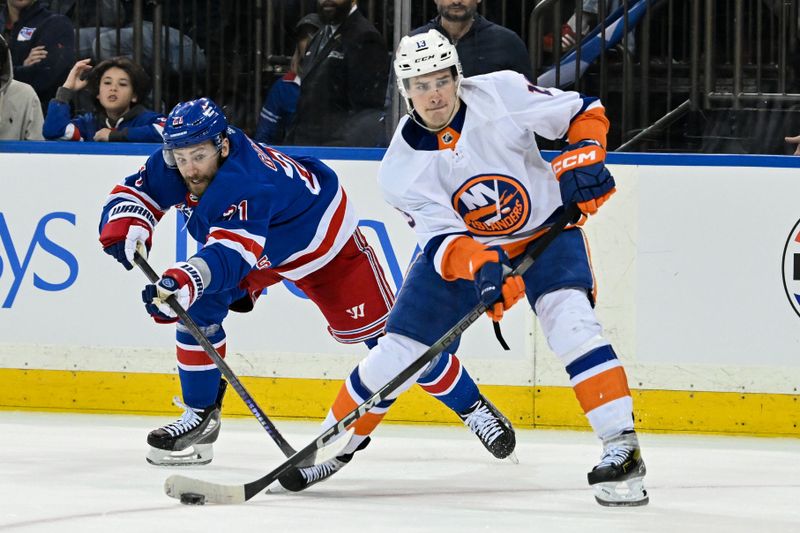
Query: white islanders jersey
x=483 y=176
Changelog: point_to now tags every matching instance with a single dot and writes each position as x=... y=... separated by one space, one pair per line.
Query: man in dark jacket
x=41 y=44
x=345 y=74
x=482 y=46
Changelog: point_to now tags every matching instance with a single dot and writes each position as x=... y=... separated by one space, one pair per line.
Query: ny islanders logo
x=791 y=267
x=492 y=204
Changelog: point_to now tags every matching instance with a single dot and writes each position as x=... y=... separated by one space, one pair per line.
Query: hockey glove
x=496 y=289
x=583 y=177
x=183 y=281
x=129 y=227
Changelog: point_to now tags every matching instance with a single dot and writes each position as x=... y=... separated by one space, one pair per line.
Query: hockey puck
x=192 y=498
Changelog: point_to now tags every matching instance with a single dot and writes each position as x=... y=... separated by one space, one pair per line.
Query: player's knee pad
x=569 y=323
x=390 y=357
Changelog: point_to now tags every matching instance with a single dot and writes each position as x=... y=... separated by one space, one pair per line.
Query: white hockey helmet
x=422 y=54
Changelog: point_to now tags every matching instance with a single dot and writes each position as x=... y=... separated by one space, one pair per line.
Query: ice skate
x=302 y=477
x=492 y=428
x=617 y=478
x=189 y=440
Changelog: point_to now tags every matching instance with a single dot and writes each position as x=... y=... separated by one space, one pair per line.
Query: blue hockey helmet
x=191 y=123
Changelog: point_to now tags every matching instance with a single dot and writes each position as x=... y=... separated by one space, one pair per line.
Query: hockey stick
x=214 y=355
x=175 y=486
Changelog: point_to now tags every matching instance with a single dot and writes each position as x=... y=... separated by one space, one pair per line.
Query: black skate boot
x=492 y=428
x=617 y=478
x=302 y=477
x=188 y=440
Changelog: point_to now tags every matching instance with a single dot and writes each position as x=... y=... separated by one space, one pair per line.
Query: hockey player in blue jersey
x=465 y=169
x=263 y=217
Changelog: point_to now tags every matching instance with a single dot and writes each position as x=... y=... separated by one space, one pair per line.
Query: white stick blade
x=334 y=449
x=176 y=485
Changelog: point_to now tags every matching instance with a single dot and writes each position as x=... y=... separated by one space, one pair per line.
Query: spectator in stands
x=116 y=85
x=796 y=141
x=197 y=34
x=590 y=17
x=41 y=45
x=482 y=46
x=279 y=108
x=345 y=74
x=20 y=109
x=107 y=15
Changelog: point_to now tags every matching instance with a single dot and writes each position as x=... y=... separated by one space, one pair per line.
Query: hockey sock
x=351 y=395
x=199 y=388
x=198 y=374
x=449 y=382
x=371 y=343
x=601 y=387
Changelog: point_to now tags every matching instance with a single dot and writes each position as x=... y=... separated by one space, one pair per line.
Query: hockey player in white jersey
x=465 y=169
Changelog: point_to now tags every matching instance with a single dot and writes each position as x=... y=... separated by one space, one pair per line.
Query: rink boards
x=697 y=260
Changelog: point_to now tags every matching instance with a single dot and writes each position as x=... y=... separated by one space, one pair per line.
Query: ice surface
x=87 y=473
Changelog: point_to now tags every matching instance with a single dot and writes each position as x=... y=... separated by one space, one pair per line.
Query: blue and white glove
x=583 y=177
x=183 y=281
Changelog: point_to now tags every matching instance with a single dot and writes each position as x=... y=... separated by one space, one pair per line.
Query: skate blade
x=512 y=458
x=195 y=455
x=628 y=493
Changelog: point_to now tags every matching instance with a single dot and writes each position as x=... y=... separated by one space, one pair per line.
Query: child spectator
x=117 y=85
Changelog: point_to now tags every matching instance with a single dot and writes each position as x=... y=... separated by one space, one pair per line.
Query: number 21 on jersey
x=270 y=156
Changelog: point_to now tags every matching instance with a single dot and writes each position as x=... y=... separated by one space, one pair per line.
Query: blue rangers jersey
x=262 y=210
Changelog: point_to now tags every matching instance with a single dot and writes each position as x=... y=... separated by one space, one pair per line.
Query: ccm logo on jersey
x=492 y=204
